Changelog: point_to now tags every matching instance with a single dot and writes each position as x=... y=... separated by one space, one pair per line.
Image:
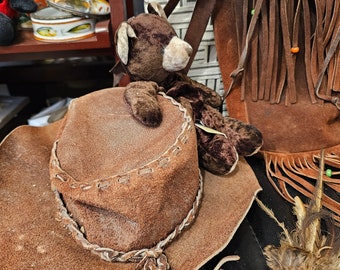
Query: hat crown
x=126 y=185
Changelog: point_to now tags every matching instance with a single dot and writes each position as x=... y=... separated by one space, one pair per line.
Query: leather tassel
x=293 y=174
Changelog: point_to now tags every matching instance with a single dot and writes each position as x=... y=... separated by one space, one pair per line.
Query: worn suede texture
x=32 y=236
x=277 y=89
x=144 y=189
x=295 y=128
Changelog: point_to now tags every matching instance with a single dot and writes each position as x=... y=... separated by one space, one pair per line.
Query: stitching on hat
x=184 y=138
x=73 y=185
x=187 y=117
x=54 y=162
x=163 y=162
x=103 y=184
x=151 y=258
x=176 y=150
x=145 y=170
x=123 y=179
x=59 y=177
x=85 y=186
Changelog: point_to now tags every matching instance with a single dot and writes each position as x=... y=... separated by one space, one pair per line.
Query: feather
x=209 y=130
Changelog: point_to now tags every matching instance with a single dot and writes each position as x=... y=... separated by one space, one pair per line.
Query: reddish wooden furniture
x=27 y=48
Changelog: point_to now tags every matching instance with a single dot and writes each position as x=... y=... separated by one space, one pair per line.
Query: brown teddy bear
x=152 y=55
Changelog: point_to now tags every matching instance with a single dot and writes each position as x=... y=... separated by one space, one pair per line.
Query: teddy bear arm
x=216 y=153
x=209 y=96
x=141 y=97
x=246 y=138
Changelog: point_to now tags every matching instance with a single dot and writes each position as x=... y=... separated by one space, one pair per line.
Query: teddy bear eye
x=162 y=39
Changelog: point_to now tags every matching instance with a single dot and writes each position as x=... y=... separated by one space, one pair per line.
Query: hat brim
x=32 y=237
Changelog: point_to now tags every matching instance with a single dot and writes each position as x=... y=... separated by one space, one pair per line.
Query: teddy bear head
x=149 y=48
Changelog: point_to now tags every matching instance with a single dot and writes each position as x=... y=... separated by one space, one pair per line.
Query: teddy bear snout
x=176 y=54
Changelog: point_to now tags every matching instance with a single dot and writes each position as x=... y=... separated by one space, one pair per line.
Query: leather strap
x=336 y=74
x=264 y=43
x=273 y=53
x=307 y=42
x=331 y=52
x=197 y=26
x=245 y=51
x=287 y=41
x=170 y=6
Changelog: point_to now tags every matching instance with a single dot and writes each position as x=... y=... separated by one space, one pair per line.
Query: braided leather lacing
x=152 y=258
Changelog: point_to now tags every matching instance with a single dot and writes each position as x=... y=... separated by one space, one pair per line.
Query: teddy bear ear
x=156 y=8
x=123 y=33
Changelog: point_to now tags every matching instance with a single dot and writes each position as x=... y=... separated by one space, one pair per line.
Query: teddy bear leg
x=24 y=6
x=7 y=30
x=141 y=96
x=246 y=138
x=216 y=154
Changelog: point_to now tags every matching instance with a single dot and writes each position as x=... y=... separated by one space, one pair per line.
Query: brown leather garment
x=279 y=65
x=31 y=231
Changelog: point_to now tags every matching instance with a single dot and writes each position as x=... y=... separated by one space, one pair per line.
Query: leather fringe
x=279 y=26
x=295 y=174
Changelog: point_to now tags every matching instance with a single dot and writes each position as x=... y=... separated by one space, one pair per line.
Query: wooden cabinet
x=26 y=47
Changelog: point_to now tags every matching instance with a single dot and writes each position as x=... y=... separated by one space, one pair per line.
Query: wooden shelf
x=40 y=72
x=27 y=48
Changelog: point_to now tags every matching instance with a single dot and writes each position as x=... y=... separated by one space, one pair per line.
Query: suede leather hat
x=99 y=183
x=280 y=67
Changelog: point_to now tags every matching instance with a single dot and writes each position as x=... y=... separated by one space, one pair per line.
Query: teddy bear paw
x=246 y=138
x=141 y=97
x=216 y=153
